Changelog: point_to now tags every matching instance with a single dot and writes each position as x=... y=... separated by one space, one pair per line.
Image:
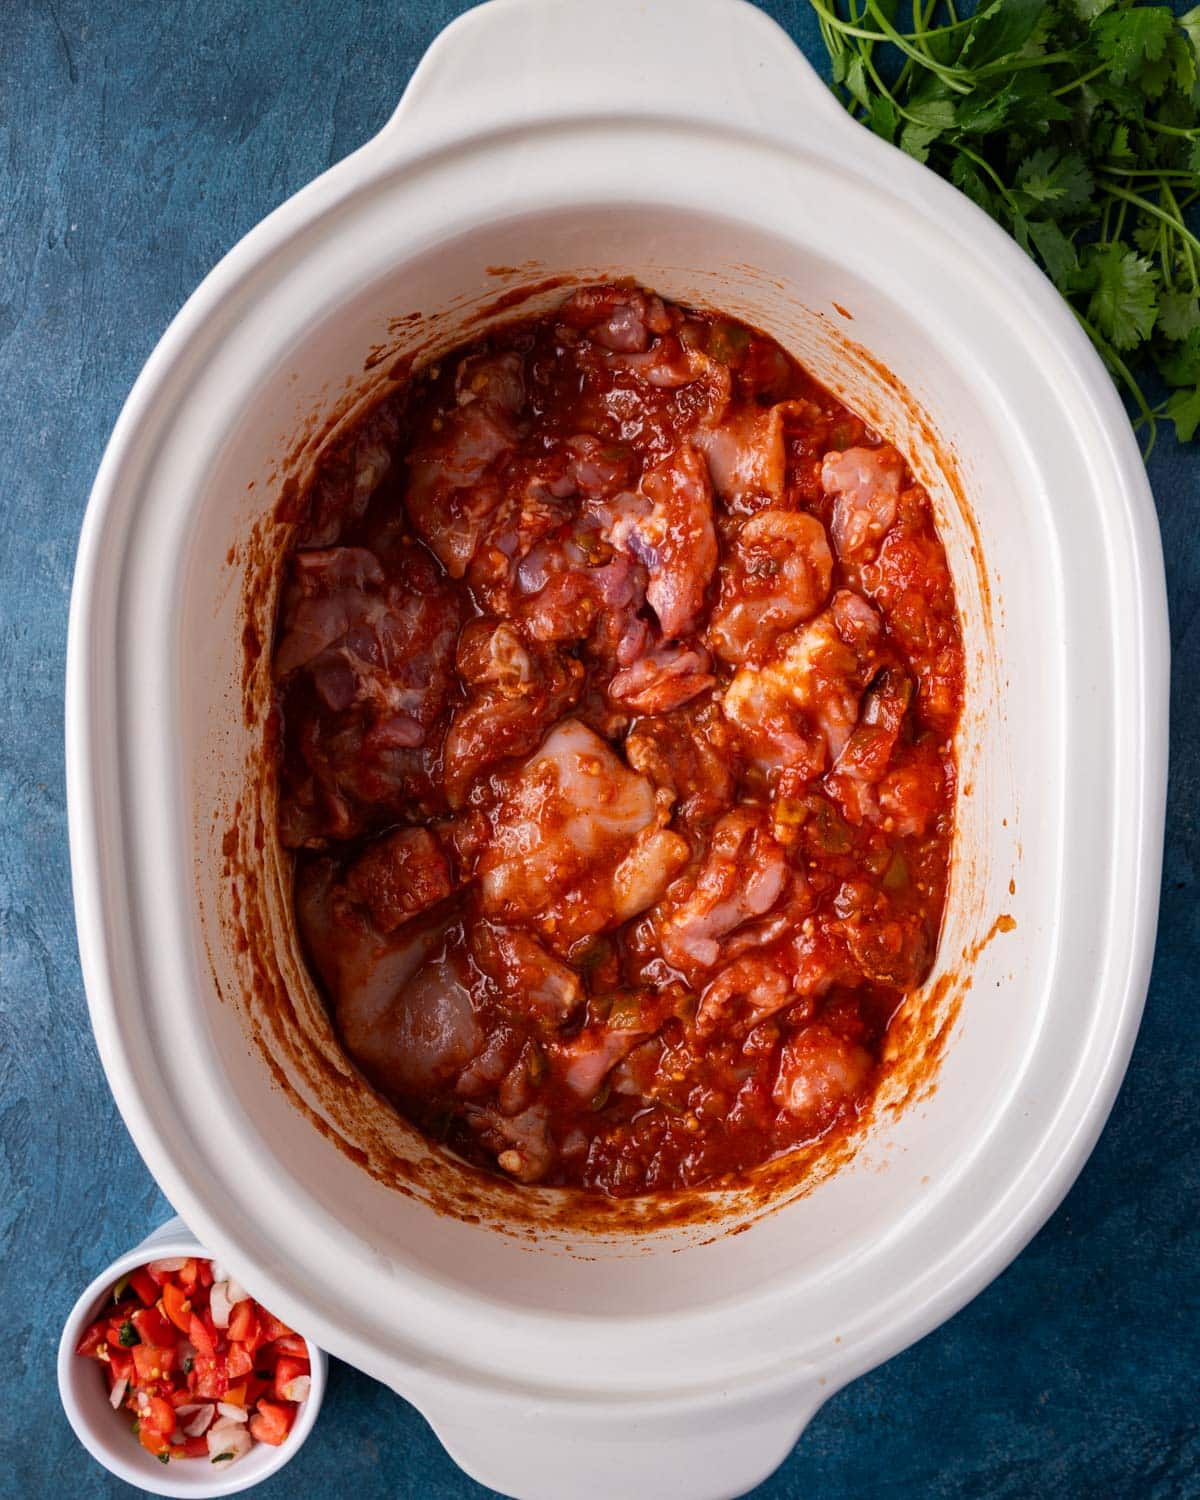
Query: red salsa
x=199 y=1368
x=617 y=672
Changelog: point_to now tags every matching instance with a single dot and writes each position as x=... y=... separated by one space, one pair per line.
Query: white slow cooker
x=564 y=1351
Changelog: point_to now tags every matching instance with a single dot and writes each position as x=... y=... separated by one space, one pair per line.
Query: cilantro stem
x=1188 y=135
x=1078 y=83
x=1100 y=194
x=949 y=76
x=986 y=167
x=1148 y=206
x=1159 y=174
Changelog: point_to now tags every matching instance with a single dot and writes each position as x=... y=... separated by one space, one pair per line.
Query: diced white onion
x=235 y=1292
x=297 y=1389
x=228 y=1437
x=218 y=1271
x=233 y=1413
x=170 y=1263
x=218 y=1304
x=196 y=1419
x=117 y=1394
x=143 y=1398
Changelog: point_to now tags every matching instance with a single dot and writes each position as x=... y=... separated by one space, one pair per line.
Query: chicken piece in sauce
x=617 y=670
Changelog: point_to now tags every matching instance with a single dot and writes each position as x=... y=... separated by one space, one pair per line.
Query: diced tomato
x=144 y=1285
x=160 y=1415
x=177 y=1307
x=153 y=1327
x=293 y=1344
x=243 y=1324
x=200 y=1335
x=212 y=1378
x=152 y=1441
x=151 y=1363
x=123 y=1310
x=94 y=1339
x=285 y=1372
x=272 y=1328
x=256 y=1388
x=272 y=1422
x=171 y=1320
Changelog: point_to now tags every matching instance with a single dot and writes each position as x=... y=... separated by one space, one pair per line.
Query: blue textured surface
x=137 y=143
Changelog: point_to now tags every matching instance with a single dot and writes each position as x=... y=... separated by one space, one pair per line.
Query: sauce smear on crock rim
x=617 y=672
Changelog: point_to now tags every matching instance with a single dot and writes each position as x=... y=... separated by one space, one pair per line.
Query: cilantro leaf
x=882 y=117
x=1060 y=184
x=1181 y=366
x=1124 y=300
x=967 y=177
x=1179 y=314
x=1184 y=410
x=1001 y=28
x=1056 y=250
x=1127 y=39
x=1190 y=22
x=1075 y=124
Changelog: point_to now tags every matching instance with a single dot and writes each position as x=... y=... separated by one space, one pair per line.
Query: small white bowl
x=105 y=1432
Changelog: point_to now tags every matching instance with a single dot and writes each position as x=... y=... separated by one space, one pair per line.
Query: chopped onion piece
x=233 y=1413
x=235 y=1292
x=219 y=1305
x=143 y=1398
x=170 y=1263
x=297 y=1389
x=196 y=1419
x=228 y=1437
x=117 y=1394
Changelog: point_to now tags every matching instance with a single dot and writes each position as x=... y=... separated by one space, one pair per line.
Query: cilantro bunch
x=1076 y=125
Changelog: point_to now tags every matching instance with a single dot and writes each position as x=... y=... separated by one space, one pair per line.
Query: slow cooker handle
x=574 y=1452
x=512 y=63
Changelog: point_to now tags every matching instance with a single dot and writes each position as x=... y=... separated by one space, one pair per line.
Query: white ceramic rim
x=112 y=1445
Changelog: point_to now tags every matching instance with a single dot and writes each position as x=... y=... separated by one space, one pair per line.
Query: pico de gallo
x=202 y=1370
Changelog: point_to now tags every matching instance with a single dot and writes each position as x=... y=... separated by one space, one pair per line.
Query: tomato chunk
x=95 y=1339
x=153 y=1328
x=273 y=1329
x=272 y=1422
x=177 y=1307
x=200 y=1335
x=144 y=1285
x=243 y=1323
x=212 y=1378
x=151 y=1363
x=160 y=1415
x=293 y=1344
x=286 y=1371
x=152 y=1441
